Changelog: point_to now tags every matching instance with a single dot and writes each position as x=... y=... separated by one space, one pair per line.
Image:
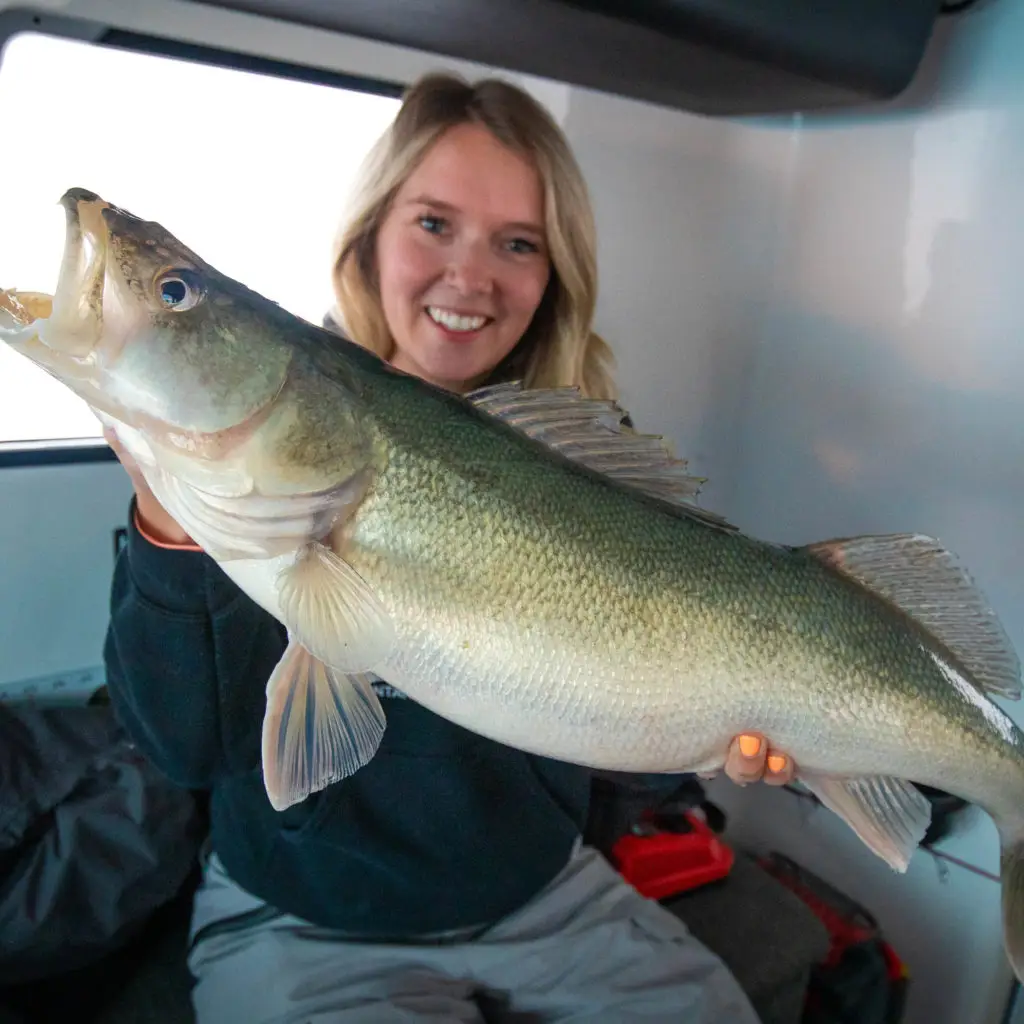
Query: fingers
x=751 y=759
x=746 y=759
x=780 y=769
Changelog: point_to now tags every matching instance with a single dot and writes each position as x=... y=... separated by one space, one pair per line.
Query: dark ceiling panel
x=707 y=56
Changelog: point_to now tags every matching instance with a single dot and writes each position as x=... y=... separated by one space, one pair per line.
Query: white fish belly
x=528 y=690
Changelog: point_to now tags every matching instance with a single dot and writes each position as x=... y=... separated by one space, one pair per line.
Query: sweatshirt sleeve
x=187 y=657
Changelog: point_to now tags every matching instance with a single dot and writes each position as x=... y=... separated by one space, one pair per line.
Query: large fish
x=520 y=563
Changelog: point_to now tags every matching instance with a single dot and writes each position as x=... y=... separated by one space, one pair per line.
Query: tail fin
x=1012 y=870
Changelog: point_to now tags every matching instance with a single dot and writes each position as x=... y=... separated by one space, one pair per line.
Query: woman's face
x=462 y=258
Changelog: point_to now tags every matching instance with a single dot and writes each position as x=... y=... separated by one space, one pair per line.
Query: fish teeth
x=453 y=321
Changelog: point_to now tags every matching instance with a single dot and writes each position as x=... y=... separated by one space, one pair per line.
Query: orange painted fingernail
x=776 y=763
x=750 y=746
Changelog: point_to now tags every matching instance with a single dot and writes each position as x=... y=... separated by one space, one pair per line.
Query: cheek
x=405 y=269
x=526 y=290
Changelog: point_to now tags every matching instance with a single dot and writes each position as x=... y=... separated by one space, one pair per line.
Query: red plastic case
x=662 y=864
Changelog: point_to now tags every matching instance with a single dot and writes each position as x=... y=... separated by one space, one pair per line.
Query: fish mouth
x=75 y=324
x=21 y=314
x=62 y=332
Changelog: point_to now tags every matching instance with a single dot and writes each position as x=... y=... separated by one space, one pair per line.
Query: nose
x=469 y=269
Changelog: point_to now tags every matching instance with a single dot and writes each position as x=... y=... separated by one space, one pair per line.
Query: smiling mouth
x=457 y=323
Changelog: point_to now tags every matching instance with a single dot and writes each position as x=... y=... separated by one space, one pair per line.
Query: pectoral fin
x=890 y=815
x=333 y=613
x=320 y=726
x=323 y=721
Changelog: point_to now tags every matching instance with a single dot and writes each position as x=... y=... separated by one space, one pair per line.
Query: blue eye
x=179 y=290
x=432 y=224
x=523 y=245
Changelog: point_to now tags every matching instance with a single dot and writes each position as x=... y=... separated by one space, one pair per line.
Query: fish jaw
x=20 y=314
x=63 y=333
x=23 y=318
x=74 y=326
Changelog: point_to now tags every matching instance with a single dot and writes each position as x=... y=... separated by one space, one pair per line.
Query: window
x=249 y=170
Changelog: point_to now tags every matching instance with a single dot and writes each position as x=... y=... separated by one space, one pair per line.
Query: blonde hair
x=560 y=347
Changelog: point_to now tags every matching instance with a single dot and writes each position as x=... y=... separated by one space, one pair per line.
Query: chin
x=456 y=369
x=468 y=360
x=457 y=376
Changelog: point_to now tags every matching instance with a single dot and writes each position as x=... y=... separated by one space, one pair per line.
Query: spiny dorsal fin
x=590 y=431
x=922 y=578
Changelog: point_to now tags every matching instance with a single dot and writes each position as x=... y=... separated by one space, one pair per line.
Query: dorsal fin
x=590 y=431
x=918 y=575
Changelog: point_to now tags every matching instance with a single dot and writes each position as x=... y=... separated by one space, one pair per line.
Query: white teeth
x=453 y=321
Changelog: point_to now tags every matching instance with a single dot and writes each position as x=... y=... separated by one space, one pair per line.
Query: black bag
x=862 y=980
x=93 y=840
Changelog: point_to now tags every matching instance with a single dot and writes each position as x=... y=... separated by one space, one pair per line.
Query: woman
x=447 y=876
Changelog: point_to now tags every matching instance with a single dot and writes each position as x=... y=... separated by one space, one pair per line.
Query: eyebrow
x=440 y=204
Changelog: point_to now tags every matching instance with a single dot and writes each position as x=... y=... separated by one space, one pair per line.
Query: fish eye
x=178 y=290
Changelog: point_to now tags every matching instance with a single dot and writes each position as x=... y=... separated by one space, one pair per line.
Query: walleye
x=519 y=562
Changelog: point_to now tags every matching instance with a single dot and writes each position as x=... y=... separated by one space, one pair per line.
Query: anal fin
x=918 y=575
x=889 y=815
x=320 y=726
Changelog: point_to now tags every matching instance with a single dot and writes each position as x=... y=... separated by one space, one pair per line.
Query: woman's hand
x=153 y=517
x=751 y=759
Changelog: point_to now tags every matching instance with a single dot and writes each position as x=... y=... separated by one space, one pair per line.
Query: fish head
x=150 y=335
